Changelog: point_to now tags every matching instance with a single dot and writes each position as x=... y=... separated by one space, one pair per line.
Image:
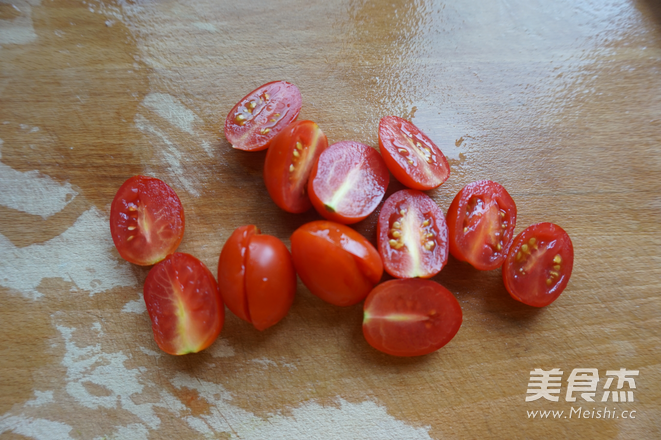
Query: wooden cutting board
x=560 y=102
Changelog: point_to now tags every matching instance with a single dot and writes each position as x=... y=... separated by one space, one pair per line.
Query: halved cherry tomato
x=410 y=317
x=261 y=114
x=184 y=304
x=146 y=220
x=481 y=220
x=289 y=161
x=539 y=264
x=256 y=277
x=348 y=182
x=335 y=262
x=410 y=155
x=412 y=235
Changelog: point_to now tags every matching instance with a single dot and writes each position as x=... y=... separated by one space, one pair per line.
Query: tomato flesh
x=410 y=155
x=410 y=317
x=184 y=304
x=539 y=264
x=146 y=220
x=256 y=277
x=348 y=182
x=261 y=114
x=289 y=161
x=481 y=220
x=412 y=235
x=335 y=262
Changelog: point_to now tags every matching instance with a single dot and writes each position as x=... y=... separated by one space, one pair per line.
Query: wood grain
x=560 y=103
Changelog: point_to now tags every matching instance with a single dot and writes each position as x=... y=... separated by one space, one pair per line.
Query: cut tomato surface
x=410 y=317
x=289 y=161
x=481 y=220
x=412 y=235
x=335 y=262
x=410 y=155
x=539 y=264
x=184 y=304
x=256 y=277
x=348 y=182
x=261 y=114
x=146 y=220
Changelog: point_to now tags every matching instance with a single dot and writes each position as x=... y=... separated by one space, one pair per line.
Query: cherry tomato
x=481 y=220
x=289 y=161
x=348 y=182
x=410 y=155
x=538 y=264
x=261 y=114
x=256 y=277
x=335 y=262
x=412 y=235
x=410 y=317
x=184 y=304
x=146 y=220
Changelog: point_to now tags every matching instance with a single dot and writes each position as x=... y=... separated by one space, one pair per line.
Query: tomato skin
x=348 y=182
x=270 y=281
x=421 y=248
x=155 y=214
x=476 y=238
x=537 y=274
x=289 y=161
x=410 y=317
x=256 y=277
x=232 y=271
x=261 y=114
x=184 y=304
x=335 y=262
x=410 y=155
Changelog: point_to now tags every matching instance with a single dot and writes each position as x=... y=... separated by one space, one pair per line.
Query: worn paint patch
x=221 y=348
x=81 y=255
x=365 y=420
x=32 y=191
x=39 y=429
x=19 y=30
x=41 y=398
x=169 y=152
x=136 y=306
x=90 y=365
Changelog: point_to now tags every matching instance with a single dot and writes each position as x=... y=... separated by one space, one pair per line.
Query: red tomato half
x=146 y=220
x=261 y=114
x=184 y=304
x=335 y=262
x=481 y=220
x=348 y=182
x=289 y=161
x=256 y=277
x=539 y=264
x=410 y=317
x=410 y=155
x=412 y=235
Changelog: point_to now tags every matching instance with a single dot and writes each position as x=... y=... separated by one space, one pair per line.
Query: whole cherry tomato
x=410 y=317
x=538 y=264
x=256 y=277
x=146 y=220
x=289 y=161
x=335 y=262
x=412 y=235
x=348 y=182
x=184 y=304
x=481 y=220
x=410 y=155
x=261 y=114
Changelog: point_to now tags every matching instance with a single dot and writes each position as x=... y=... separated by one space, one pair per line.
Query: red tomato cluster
x=344 y=182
